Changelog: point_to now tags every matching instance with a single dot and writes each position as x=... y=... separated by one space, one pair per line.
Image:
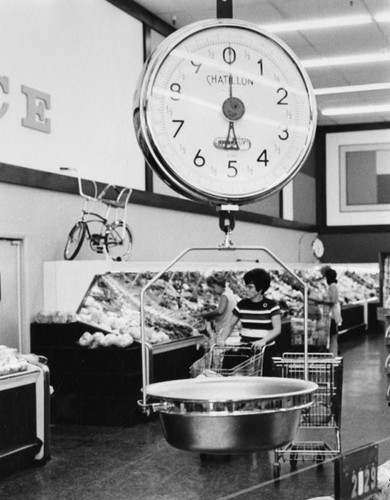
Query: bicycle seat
x=121 y=200
x=115 y=203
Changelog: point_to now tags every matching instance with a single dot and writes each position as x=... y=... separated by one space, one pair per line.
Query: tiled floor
x=104 y=463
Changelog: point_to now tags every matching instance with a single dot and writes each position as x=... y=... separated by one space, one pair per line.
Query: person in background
x=332 y=299
x=220 y=316
x=259 y=316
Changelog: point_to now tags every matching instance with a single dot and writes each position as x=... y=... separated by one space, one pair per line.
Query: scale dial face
x=224 y=112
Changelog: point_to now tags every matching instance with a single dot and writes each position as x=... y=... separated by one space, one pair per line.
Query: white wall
x=82 y=58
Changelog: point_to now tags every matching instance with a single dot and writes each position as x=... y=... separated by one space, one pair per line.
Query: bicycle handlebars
x=80 y=185
x=121 y=200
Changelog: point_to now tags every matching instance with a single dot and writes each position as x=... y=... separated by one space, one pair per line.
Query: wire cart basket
x=325 y=412
x=227 y=361
x=318 y=328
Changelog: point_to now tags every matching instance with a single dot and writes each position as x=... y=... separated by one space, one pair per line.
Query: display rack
x=101 y=386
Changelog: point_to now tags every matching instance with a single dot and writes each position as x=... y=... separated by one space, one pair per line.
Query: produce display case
x=112 y=303
x=25 y=425
x=97 y=378
x=69 y=286
x=176 y=299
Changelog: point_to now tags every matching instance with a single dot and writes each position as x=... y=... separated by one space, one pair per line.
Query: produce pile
x=99 y=339
x=11 y=361
x=113 y=305
x=59 y=317
x=173 y=303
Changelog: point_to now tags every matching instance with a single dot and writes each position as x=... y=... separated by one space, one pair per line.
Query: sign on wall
x=358 y=178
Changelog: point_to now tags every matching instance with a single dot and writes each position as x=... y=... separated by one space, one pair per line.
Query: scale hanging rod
x=224 y=9
x=227 y=221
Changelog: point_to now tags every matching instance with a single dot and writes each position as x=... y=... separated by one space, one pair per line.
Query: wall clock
x=224 y=112
x=318 y=248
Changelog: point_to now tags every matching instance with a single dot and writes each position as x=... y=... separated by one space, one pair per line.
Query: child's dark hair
x=259 y=277
x=216 y=279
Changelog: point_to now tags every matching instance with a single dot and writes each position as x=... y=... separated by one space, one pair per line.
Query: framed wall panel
x=358 y=178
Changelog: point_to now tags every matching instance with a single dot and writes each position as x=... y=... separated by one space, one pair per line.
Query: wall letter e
x=37 y=103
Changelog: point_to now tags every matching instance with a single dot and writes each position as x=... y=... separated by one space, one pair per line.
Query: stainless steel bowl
x=230 y=414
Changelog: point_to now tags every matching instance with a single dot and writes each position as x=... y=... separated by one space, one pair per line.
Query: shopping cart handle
x=256 y=348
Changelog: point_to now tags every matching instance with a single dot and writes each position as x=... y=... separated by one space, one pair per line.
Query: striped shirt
x=256 y=315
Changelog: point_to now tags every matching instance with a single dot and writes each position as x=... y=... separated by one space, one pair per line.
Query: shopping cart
x=325 y=413
x=227 y=361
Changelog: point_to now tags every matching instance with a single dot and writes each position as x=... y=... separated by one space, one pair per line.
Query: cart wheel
x=293 y=461
x=320 y=458
x=276 y=470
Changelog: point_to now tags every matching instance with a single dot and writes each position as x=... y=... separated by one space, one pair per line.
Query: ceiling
x=370 y=38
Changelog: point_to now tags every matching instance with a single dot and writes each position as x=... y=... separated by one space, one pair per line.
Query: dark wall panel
x=355 y=247
x=304 y=198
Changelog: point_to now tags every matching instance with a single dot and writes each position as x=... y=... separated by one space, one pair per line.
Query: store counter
x=102 y=386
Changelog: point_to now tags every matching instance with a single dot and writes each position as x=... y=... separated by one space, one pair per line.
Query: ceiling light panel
x=354 y=110
x=361 y=74
x=309 y=9
x=368 y=37
x=347 y=59
x=370 y=87
x=319 y=23
x=353 y=99
x=328 y=23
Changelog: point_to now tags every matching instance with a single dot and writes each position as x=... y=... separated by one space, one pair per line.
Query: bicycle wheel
x=119 y=241
x=75 y=240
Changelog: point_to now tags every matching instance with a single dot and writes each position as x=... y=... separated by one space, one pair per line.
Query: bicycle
x=114 y=238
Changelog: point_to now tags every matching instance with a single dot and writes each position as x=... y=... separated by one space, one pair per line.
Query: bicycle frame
x=99 y=219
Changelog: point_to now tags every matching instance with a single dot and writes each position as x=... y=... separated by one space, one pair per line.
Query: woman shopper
x=259 y=316
x=332 y=299
x=335 y=309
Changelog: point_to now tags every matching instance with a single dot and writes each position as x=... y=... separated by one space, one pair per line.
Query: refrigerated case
x=24 y=418
x=109 y=299
x=100 y=384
